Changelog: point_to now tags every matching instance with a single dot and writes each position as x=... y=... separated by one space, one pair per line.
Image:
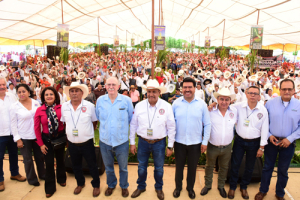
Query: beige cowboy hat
x=198 y=72
x=2 y=67
x=208 y=74
x=240 y=79
x=245 y=72
x=268 y=85
x=57 y=57
x=286 y=76
x=153 y=84
x=224 y=92
x=81 y=75
x=180 y=73
x=218 y=73
x=253 y=78
x=82 y=87
x=157 y=69
x=276 y=73
x=227 y=74
x=260 y=74
x=39 y=63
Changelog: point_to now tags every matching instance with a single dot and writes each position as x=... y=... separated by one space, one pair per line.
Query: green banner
x=256 y=37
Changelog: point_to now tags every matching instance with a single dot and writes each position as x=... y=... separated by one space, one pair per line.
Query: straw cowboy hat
x=208 y=74
x=198 y=72
x=268 y=85
x=253 y=78
x=82 y=87
x=245 y=72
x=153 y=84
x=57 y=57
x=240 y=79
x=227 y=74
x=224 y=92
x=157 y=69
x=218 y=73
x=2 y=67
x=260 y=74
x=286 y=76
x=276 y=73
x=180 y=73
x=81 y=75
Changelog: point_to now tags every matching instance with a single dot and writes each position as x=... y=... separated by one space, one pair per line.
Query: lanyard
x=250 y=113
x=148 y=115
x=77 y=118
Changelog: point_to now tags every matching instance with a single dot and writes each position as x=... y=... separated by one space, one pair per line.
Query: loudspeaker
x=217 y=50
x=53 y=51
x=257 y=172
x=85 y=168
x=104 y=49
x=265 y=53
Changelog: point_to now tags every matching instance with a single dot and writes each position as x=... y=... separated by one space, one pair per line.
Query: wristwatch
x=262 y=149
x=170 y=148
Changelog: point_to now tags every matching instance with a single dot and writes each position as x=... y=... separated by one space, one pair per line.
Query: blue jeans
x=121 y=153
x=7 y=141
x=284 y=160
x=239 y=148
x=158 y=151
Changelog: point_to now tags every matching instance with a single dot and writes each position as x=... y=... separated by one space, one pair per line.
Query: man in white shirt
x=199 y=92
x=80 y=118
x=6 y=139
x=124 y=84
x=165 y=95
x=139 y=83
x=223 y=119
x=94 y=81
x=153 y=121
x=11 y=89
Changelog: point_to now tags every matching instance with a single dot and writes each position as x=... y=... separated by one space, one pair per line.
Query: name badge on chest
x=149 y=132
x=75 y=132
x=246 y=123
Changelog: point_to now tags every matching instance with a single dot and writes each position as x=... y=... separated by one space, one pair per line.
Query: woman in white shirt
x=37 y=90
x=22 y=127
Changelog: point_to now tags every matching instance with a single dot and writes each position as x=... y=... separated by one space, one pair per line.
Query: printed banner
x=159 y=37
x=193 y=44
x=62 y=35
x=147 y=44
x=132 y=42
x=207 y=41
x=142 y=43
x=116 y=41
x=256 y=36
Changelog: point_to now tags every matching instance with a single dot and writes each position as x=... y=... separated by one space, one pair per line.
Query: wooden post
x=126 y=39
x=159 y=13
x=152 y=41
x=34 y=47
x=223 y=33
x=257 y=17
x=98 y=35
x=44 y=48
x=62 y=12
x=207 y=31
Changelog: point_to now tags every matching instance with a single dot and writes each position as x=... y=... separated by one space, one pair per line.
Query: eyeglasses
x=287 y=89
x=253 y=93
x=111 y=85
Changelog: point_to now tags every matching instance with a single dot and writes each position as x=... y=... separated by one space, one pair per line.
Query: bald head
x=112 y=80
x=112 y=86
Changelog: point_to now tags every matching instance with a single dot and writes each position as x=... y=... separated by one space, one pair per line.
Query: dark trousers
x=165 y=96
x=240 y=146
x=192 y=154
x=158 y=150
x=7 y=141
x=50 y=184
x=26 y=151
x=86 y=151
x=140 y=91
x=134 y=104
x=284 y=160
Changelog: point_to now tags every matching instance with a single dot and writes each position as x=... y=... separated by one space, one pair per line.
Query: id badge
x=75 y=132
x=246 y=123
x=149 y=132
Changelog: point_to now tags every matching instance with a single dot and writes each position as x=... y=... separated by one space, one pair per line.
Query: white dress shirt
x=199 y=93
x=5 y=105
x=258 y=125
x=222 y=126
x=163 y=123
x=13 y=91
x=139 y=81
x=83 y=117
x=22 y=120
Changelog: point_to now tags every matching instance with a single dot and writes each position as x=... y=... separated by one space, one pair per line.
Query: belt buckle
x=151 y=141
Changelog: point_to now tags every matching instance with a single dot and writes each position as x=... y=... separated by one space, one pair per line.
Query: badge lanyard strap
x=148 y=115
x=77 y=118
x=247 y=113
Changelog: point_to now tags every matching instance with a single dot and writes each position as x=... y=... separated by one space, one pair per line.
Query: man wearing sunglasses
x=284 y=113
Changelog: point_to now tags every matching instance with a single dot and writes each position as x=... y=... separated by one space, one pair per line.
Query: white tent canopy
x=38 y=19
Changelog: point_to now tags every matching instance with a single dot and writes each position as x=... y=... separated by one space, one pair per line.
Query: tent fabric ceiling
x=37 y=20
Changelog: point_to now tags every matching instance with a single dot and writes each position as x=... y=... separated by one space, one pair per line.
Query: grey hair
x=118 y=82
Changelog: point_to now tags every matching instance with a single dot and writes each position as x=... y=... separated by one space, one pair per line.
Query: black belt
x=80 y=144
x=249 y=140
x=279 y=138
x=220 y=146
x=151 y=141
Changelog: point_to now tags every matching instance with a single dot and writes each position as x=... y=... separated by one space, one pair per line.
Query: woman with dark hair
x=48 y=116
x=22 y=127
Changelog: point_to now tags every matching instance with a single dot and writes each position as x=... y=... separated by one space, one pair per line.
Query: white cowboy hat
x=2 y=67
x=39 y=63
x=240 y=79
x=224 y=92
x=260 y=74
x=157 y=69
x=218 y=73
x=297 y=86
x=57 y=57
x=227 y=74
x=268 y=85
x=208 y=74
x=276 y=73
x=253 y=78
x=180 y=73
x=286 y=76
x=81 y=75
x=153 y=84
x=82 y=87
x=245 y=72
